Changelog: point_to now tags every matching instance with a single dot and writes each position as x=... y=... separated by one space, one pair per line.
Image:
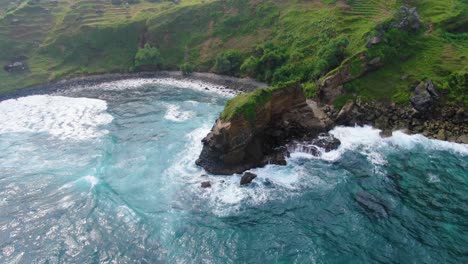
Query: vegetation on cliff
x=271 y=41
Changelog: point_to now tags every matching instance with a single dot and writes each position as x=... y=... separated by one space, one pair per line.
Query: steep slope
x=272 y=41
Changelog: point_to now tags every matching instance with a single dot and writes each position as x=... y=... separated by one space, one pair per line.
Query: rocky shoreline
x=228 y=82
x=448 y=123
x=289 y=121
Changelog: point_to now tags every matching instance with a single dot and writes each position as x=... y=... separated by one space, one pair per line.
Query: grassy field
x=273 y=41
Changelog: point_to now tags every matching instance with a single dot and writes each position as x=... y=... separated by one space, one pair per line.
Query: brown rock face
x=239 y=144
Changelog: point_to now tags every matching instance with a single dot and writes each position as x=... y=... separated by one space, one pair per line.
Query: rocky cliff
x=245 y=141
x=241 y=143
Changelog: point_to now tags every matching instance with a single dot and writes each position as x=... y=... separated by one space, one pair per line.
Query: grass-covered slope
x=272 y=41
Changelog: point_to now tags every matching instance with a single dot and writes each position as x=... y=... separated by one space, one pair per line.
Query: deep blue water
x=106 y=174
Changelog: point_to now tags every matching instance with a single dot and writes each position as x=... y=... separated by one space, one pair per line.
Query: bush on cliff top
x=246 y=104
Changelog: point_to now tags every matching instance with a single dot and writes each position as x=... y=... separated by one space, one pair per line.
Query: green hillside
x=273 y=41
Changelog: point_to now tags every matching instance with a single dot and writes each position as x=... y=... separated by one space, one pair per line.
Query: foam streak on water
x=111 y=178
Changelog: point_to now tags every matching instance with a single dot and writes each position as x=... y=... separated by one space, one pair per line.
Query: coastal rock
x=324 y=142
x=206 y=184
x=438 y=121
x=442 y=135
x=424 y=96
x=239 y=144
x=278 y=157
x=247 y=178
x=327 y=142
x=463 y=139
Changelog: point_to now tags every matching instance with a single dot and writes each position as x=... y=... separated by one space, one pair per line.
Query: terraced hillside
x=272 y=41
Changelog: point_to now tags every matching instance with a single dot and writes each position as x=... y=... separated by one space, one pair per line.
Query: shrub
x=265 y=61
x=456 y=86
x=310 y=89
x=228 y=62
x=332 y=54
x=148 y=57
x=397 y=46
x=249 y=67
x=187 y=68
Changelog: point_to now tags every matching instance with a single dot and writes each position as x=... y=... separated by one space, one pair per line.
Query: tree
x=250 y=66
x=187 y=68
x=148 y=57
x=228 y=62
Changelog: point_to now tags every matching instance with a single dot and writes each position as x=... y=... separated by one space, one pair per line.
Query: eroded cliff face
x=239 y=144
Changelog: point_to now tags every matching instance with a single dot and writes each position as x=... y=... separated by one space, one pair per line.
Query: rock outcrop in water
x=239 y=144
x=247 y=178
x=322 y=143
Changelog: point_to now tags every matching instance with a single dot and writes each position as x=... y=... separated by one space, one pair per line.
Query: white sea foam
x=138 y=83
x=174 y=113
x=226 y=196
x=62 y=117
x=403 y=140
x=367 y=141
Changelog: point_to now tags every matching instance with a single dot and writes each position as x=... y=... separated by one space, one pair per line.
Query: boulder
x=278 y=157
x=345 y=113
x=463 y=139
x=247 y=178
x=206 y=184
x=424 y=96
x=442 y=135
x=326 y=141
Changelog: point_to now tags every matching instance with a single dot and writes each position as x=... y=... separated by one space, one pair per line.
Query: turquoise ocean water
x=106 y=174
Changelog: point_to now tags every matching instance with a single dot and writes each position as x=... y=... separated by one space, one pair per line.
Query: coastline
x=228 y=82
x=390 y=117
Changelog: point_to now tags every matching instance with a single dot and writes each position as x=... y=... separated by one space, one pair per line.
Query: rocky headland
x=288 y=120
x=237 y=144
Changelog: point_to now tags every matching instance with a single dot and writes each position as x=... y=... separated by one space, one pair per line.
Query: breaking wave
x=61 y=117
